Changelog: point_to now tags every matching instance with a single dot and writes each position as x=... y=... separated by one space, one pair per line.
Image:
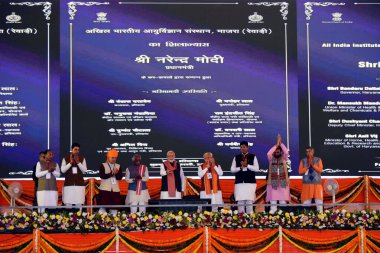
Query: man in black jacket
x=244 y=167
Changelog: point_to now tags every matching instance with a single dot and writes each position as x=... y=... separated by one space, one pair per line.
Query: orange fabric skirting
x=197 y=240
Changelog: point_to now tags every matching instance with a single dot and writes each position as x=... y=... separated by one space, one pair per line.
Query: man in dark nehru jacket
x=244 y=166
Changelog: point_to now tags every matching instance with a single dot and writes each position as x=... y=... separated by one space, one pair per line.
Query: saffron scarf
x=171 y=178
x=207 y=181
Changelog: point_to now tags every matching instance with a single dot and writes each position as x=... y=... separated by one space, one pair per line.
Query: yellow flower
x=96 y=227
x=287 y=215
x=57 y=217
x=277 y=217
x=11 y=227
x=253 y=215
x=225 y=211
x=376 y=217
x=180 y=213
x=89 y=217
x=27 y=219
x=348 y=215
x=124 y=222
x=173 y=216
x=79 y=213
x=146 y=218
x=235 y=217
x=134 y=216
x=156 y=217
x=157 y=224
x=304 y=224
x=86 y=226
x=19 y=215
x=199 y=219
x=188 y=218
x=116 y=219
x=270 y=217
x=35 y=225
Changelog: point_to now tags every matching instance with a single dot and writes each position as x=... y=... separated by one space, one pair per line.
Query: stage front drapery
x=197 y=240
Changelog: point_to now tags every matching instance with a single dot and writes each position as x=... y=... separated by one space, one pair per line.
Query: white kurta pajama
x=245 y=191
x=73 y=194
x=216 y=198
x=47 y=197
x=132 y=197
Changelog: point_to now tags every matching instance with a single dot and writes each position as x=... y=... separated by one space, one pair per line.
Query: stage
x=345 y=229
x=351 y=190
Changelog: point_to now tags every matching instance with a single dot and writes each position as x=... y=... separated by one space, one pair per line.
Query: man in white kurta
x=74 y=166
x=136 y=176
x=209 y=173
x=173 y=178
x=47 y=172
x=244 y=166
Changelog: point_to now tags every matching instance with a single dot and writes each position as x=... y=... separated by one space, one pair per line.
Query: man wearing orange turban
x=110 y=173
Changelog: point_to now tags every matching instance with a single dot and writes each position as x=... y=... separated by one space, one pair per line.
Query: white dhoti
x=245 y=194
x=245 y=191
x=74 y=195
x=47 y=198
x=216 y=198
x=165 y=195
x=134 y=199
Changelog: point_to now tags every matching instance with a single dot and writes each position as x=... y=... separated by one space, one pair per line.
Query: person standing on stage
x=244 y=166
x=136 y=176
x=278 y=179
x=47 y=171
x=110 y=173
x=173 y=178
x=73 y=166
x=311 y=168
x=41 y=159
x=209 y=173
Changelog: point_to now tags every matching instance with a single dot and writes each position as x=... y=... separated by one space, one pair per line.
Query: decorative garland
x=104 y=222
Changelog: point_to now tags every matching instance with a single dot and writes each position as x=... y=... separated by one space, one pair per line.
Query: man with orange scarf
x=209 y=173
x=311 y=168
x=173 y=178
x=110 y=173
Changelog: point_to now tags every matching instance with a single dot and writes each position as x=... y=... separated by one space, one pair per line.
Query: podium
x=179 y=205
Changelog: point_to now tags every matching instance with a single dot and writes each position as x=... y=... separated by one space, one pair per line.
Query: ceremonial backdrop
x=190 y=76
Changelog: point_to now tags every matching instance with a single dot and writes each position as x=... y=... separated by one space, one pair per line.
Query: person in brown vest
x=47 y=171
x=110 y=173
x=209 y=173
x=41 y=158
x=74 y=166
x=173 y=178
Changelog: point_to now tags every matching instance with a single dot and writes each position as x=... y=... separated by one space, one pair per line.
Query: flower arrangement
x=101 y=222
